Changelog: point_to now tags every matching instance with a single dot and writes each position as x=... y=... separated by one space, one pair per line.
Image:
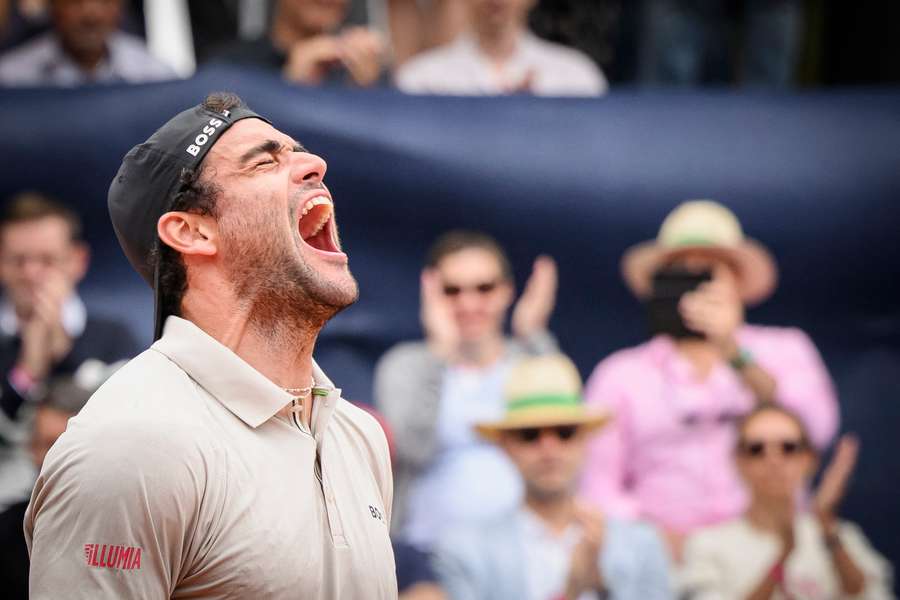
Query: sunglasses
x=482 y=289
x=530 y=435
x=757 y=449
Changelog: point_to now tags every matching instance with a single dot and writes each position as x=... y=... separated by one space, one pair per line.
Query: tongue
x=321 y=240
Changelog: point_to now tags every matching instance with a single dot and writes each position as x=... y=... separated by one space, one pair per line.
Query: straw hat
x=543 y=391
x=709 y=227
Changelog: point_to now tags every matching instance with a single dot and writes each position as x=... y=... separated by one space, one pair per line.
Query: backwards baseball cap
x=152 y=174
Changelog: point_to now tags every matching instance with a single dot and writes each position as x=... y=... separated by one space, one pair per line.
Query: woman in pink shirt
x=667 y=455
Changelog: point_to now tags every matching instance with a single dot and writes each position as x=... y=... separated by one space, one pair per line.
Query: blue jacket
x=487 y=562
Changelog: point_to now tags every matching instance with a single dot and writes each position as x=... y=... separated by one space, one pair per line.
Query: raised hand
x=533 y=310
x=714 y=310
x=584 y=567
x=362 y=51
x=310 y=60
x=834 y=480
x=441 y=332
x=44 y=338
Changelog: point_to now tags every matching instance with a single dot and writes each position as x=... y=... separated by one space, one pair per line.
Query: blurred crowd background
x=694 y=200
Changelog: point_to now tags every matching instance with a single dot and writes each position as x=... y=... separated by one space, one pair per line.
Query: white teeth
x=317 y=201
x=312 y=203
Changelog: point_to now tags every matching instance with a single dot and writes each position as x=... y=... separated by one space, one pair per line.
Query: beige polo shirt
x=178 y=480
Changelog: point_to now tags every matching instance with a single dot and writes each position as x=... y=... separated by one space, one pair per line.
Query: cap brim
x=757 y=273
x=589 y=420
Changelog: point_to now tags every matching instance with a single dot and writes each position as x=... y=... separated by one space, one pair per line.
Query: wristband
x=776 y=573
x=741 y=360
x=21 y=380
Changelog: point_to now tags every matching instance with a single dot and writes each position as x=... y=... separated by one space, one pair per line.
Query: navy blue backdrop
x=815 y=176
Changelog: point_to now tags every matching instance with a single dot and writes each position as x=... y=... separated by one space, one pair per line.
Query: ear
x=188 y=233
x=81 y=258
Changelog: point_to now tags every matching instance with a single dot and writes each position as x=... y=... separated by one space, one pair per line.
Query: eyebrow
x=268 y=147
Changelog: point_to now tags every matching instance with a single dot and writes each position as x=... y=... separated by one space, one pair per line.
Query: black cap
x=150 y=177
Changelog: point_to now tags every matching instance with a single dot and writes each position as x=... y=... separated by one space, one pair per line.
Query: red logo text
x=110 y=556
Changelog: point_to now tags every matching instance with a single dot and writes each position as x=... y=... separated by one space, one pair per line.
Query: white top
x=43 y=62
x=179 y=479
x=459 y=68
x=469 y=479
x=728 y=561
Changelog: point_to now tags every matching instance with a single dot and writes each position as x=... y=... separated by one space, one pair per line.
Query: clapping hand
x=358 y=49
x=533 y=310
x=584 y=568
x=714 y=310
x=441 y=331
x=834 y=481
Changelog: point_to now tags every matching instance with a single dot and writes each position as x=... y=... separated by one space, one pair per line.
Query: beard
x=285 y=297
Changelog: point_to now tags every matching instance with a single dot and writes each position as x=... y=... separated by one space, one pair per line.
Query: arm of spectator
x=407 y=384
x=804 y=386
x=604 y=480
x=114 y=524
x=652 y=579
x=458 y=564
x=876 y=570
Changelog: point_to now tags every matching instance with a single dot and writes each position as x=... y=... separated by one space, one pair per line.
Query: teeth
x=318 y=200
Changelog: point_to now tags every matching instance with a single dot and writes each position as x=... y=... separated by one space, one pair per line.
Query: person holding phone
x=667 y=456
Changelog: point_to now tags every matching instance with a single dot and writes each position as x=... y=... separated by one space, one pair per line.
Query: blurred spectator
x=306 y=45
x=667 y=456
x=64 y=397
x=692 y=42
x=432 y=392
x=45 y=328
x=550 y=546
x=84 y=46
x=418 y=25
x=497 y=54
x=416 y=579
x=776 y=550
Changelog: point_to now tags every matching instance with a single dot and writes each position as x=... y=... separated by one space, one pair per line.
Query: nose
x=308 y=168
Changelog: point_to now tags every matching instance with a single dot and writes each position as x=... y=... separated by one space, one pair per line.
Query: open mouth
x=317 y=225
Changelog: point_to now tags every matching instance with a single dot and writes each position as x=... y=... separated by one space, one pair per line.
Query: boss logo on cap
x=203 y=137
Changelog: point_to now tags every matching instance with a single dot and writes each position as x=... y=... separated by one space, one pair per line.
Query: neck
x=280 y=349
x=557 y=512
x=499 y=44
x=770 y=514
x=87 y=61
x=482 y=353
x=702 y=355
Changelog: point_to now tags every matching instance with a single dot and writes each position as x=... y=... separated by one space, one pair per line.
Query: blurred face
x=478 y=292
x=698 y=261
x=492 y=15
x=34 y=252
x=549 y=458
x=85 y=25
x=315 y=16
x=279 y=237
x=49 y=424
x=772 y=457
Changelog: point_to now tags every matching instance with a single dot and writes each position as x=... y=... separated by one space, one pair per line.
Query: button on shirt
x=668 y=454
x=179 y=479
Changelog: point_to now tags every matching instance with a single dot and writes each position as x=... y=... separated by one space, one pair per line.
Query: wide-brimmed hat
x=543 y=391
x=707 y=226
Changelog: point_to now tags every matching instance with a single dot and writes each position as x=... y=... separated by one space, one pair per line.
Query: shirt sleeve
x=113 y=514
x=650 y=579
x=803 y=384
x=457 y=563
x=604 y=480
x=702 y=577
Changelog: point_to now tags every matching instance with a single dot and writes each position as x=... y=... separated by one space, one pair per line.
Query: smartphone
x=669 y=285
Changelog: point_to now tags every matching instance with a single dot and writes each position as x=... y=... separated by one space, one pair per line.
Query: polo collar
x=243 y=390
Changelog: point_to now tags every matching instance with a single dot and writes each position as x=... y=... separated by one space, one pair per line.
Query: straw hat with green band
x=707 y=226
x=543 y=391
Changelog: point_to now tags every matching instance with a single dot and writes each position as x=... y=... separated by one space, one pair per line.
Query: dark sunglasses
x=757 y=449
x=530 y=435
x=482 y=288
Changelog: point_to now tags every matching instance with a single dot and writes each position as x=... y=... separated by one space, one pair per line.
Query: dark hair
x=766 y=407
x=463 y=239
x=31 y=206
x=194 y=195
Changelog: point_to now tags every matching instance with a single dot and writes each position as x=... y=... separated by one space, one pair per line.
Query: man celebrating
x=221 y=463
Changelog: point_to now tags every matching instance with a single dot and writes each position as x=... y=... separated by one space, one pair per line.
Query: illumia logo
x=203 y=137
